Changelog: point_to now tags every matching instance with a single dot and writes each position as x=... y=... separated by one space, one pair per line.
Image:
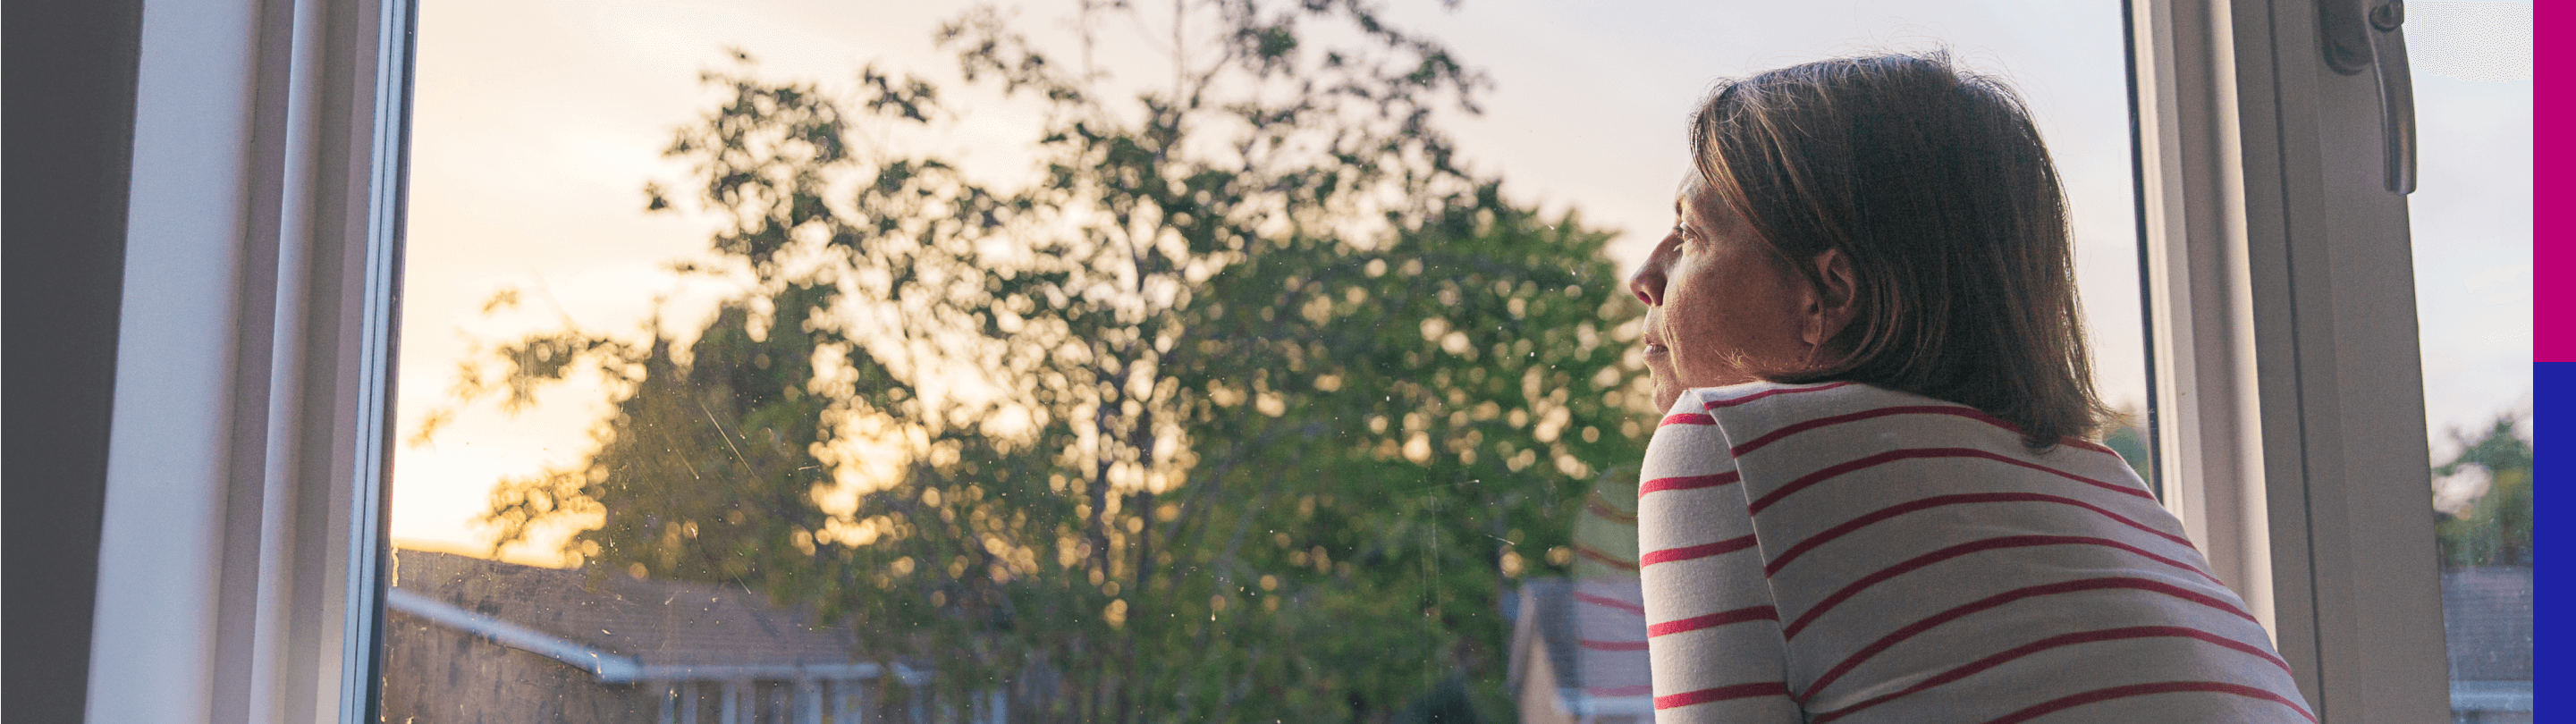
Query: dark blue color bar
x=2553 y=388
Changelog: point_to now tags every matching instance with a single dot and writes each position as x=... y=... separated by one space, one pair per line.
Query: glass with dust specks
x=832 y=362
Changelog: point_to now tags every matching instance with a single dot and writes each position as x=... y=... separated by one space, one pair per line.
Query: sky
x=536 y=124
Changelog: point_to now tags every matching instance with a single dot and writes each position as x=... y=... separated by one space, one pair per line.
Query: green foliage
x=2495 y=530
x=2129 y=438
x=1230 y=416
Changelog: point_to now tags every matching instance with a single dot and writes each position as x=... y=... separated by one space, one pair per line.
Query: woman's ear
x=1832 y=306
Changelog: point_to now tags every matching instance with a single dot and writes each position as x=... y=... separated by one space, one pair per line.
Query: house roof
x=2486 y=611
x=1555 y=621
x=1548 y=605
x=623 y=628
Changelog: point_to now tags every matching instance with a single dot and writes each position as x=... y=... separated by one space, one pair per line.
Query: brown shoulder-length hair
x=1934 y=184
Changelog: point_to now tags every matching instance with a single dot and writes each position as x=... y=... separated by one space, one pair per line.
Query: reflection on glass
x=1124 y=368
x=2471 y=224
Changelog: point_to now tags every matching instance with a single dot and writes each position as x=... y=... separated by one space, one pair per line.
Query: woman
x=1869 y=502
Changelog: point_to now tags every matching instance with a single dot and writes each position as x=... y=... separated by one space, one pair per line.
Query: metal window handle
x=2369 y=35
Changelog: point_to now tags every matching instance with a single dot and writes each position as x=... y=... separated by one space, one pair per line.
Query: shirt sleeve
x=1924 y=565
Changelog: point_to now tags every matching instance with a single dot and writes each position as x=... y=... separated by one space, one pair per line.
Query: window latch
x=2369 y=35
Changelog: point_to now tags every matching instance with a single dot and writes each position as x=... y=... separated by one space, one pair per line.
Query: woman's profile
x=1869 y=500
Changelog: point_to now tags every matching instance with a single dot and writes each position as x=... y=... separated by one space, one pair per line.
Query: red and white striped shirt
x=1840 y=552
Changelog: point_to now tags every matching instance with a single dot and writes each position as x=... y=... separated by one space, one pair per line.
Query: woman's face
x=1718 y=303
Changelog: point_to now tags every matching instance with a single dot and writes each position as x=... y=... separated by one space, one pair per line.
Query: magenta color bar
x=2553 y=302
x=2552 y=346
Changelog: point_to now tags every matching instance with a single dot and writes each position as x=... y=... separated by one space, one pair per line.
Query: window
x=238 y=561
x=2471 y=220
x=2280 y=290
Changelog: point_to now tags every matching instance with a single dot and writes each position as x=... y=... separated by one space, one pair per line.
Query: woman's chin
x=1666 y=393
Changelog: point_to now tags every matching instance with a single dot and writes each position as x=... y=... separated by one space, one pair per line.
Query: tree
x=2128 y=436
x=2495 y=530
x=1235 y=414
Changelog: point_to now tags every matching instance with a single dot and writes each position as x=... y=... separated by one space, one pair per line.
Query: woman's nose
x=1648 y=282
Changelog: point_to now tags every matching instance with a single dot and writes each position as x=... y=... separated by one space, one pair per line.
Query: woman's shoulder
x=1759 y=407
x=1758 y=396
x=1828 y=420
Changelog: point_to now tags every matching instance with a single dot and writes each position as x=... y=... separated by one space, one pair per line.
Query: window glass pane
x=2471 y=223
x=762 y=364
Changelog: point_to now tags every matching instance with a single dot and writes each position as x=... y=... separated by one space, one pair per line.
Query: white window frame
x=238 y=577
x=2289 y=388
x=242 y=527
